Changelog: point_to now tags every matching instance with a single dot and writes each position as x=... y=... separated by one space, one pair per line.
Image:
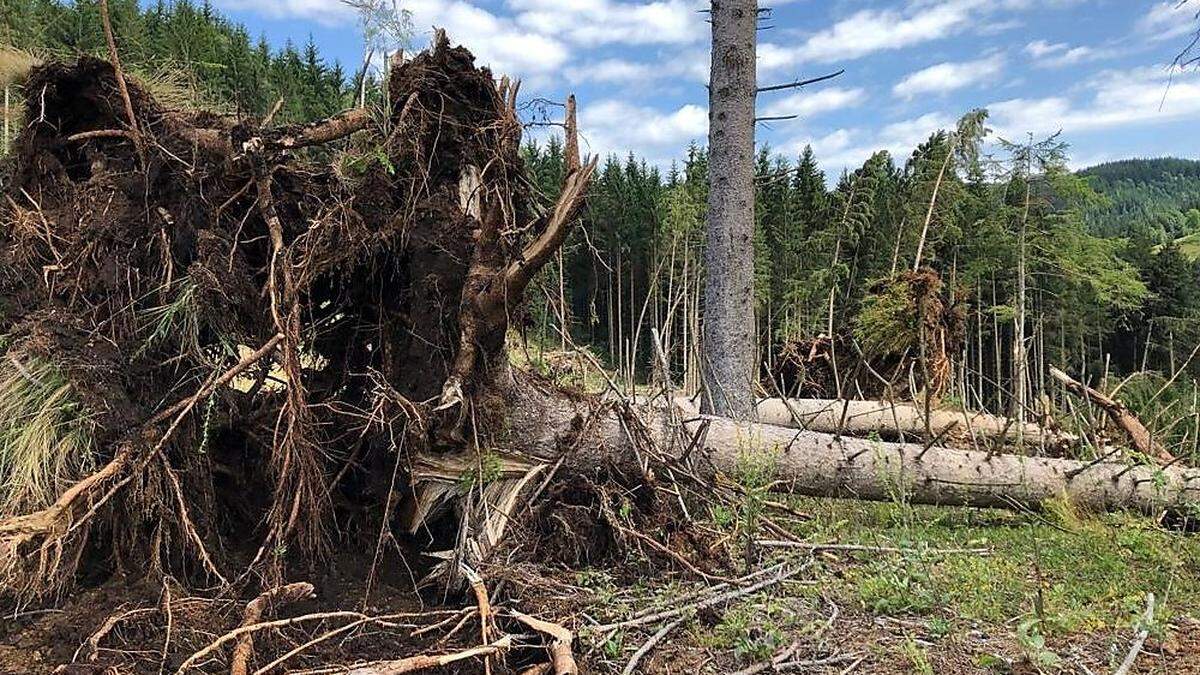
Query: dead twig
x=771 y=543
x=119 y=74
x=782 y=575
x=1139 y=639
x=485 y=610
x=424 y=661
x=562 y=661
x=238 y=632
x=649 y=644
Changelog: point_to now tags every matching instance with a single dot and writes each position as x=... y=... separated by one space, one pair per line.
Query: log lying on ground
x=892 y=420
x=1138 y=434
x=822 y=465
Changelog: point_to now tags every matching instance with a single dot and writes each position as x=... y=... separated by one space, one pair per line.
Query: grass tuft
x=178 y=319
x=45 y=437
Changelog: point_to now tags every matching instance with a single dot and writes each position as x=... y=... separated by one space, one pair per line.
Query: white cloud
x=948 y=76
x=327 y=12
x=1141 y=96
x=901 y=137
x=810 y=104
x=497 y=41
x=1057 y=55
x=873 y=30
x=1167 y=20
x=1040 y=48
x=692 y=66
x=617 y=126
x=847 y=149
x=594 y=22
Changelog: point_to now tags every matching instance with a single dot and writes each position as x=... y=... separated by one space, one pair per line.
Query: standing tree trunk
x=728 y=362
x=1018 y=346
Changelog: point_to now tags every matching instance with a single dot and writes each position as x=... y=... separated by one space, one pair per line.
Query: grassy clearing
x=1058 y=588
x=1189 y=245
x=1072 y=573
x=45 y=438
x=570 y=368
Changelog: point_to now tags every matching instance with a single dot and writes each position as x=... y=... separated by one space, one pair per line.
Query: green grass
x=1189 y=245
x=177 y=319
x=1093 y=572
x=45 y=437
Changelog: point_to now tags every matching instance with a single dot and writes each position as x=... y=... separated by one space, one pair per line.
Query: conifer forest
x=395 y=363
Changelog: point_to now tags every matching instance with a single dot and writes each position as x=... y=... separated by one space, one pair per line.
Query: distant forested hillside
x=185 y=52
x=1153 y=199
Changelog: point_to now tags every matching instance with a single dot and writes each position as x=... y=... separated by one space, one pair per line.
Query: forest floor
x=1054 y=592
x=928 y=589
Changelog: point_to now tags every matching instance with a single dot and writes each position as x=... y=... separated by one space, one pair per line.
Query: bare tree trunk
x=826 y=465
x=937 y=186
x=728 y=365
x=1018 y=345
x=1139 y=435
x=892 y=419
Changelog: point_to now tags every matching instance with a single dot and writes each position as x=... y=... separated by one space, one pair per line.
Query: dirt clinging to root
x=142 y=284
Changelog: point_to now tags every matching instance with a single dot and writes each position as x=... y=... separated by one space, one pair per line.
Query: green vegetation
x=1046 y=581
x=1154 y=199
x=1091 y=573
x=45 y=441
x=214 y=60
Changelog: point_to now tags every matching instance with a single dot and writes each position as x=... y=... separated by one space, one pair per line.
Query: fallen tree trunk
x=899 y=420
x=823 y=465
x=583 y=435
x=560 y=437
x=1139 y=435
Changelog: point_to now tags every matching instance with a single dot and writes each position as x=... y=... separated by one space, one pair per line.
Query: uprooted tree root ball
x=239 y=348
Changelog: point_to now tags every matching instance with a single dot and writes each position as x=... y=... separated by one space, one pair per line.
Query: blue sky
x=1096 y=69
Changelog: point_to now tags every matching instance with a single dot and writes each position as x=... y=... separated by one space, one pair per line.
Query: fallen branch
x=485 y=610
x=782 y=575
x=1139 y=639
x=119 y=75
x=562 y=661
x=649 y=644
x=860 y=418
x=238 y=632
x=422 y=662
x=775 y=660
x=872 y=549
x=1138 y=434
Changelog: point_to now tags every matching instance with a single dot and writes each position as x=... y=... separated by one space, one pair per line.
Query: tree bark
x=823 y=465
x=859 y=418
x=728 y=368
